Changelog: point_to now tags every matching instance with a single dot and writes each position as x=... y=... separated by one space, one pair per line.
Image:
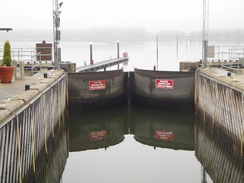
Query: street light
x=6 y=29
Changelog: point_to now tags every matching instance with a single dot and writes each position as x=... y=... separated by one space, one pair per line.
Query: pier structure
x=102 y=65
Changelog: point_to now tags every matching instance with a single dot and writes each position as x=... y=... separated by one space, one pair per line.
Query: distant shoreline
x=114 y=34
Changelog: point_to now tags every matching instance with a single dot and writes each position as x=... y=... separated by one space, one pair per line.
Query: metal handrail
x=26 y=54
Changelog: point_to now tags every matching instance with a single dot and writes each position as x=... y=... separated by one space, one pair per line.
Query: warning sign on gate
x=97 y=85
x=164 y=135
x=164 y=83
x=98 y=135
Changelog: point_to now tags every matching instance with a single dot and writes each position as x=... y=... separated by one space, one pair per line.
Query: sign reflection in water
x=93 y=130
x=100 y=129
x=164 y=128
x=141 y=128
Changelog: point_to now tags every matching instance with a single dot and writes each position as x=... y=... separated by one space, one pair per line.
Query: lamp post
x=56 y=33
x=6 y=29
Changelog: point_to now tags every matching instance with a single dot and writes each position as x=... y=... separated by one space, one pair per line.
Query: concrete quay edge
x=234 y=81
x=23 y=98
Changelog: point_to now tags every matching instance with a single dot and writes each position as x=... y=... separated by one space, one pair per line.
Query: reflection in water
x=130 y=161
x=56 y=164
x=170 y=133
x=49 y=168
x=101 y=129
x=166 y=129
x=218 y=157
x=98 y=129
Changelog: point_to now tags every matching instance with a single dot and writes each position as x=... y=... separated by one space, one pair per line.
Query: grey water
x=117 y=145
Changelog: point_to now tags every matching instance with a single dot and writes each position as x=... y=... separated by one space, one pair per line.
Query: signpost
x=97 y=85
x=164 y=83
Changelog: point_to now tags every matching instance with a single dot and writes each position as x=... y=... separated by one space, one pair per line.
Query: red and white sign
x=164 y=83
x=164 y=135
x=97 y=85
x=98 y=135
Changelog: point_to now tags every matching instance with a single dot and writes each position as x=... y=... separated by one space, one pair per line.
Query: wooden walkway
x=102 y=65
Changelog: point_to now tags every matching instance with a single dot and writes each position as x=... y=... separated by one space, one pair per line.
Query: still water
x=142 y=145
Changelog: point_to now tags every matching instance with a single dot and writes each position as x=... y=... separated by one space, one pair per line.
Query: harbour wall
x=219 y=101
x=32 y=127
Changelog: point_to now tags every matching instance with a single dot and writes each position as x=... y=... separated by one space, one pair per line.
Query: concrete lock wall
x=219 y=101
x=164 y=88
x=29 y=126
x=95 y=89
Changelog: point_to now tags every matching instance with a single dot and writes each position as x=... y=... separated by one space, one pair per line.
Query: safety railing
x=30 y=57
x=230 y=57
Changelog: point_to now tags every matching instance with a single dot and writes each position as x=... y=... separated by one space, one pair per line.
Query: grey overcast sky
x=152 y=15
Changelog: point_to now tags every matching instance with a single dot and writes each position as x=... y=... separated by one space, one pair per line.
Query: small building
x=44 y=51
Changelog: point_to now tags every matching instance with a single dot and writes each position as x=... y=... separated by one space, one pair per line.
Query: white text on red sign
x=164 y=135
x=97 y=85
x=164 y=83
x=98 y=135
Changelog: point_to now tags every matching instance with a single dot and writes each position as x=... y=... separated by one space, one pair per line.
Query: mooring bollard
x=27 y=87
x=45 y=75
x=229 y=74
